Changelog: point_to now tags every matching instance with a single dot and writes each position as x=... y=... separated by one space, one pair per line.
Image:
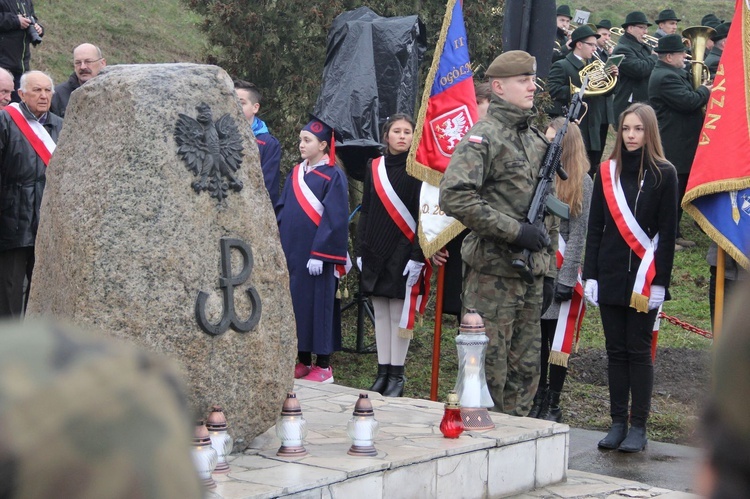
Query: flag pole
x=437 y=333
x=719 y=293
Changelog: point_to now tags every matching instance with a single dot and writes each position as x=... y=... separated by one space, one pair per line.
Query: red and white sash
x=570 y=317
x=313 y=208
x=634 y=236
x=414 y=301
x=34 y=132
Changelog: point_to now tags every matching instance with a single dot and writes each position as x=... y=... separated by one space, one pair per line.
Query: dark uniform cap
x=564 y=10
x=711 y=21
x=512 y=63
x=636 y=17
x=582 y=33
x=667 y=15
x=604 y=23
x=722 y=31
x=669 y=44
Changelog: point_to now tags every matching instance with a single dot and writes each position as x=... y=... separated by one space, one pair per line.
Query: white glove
x=315 y=267
x=591 y=292
x=359 y=263
x=657 y=297
x=413 y=269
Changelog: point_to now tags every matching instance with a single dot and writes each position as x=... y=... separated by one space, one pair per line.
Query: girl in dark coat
x=629 y=254
x=561 y=318
x=388 y=252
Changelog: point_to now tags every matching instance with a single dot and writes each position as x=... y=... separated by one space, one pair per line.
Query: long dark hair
x=653 y=153
x=389 y=123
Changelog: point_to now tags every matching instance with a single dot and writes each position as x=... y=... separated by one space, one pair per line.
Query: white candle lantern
x=291 y=428
x=362 y=428
x=471 y=384
x=204 y=456
x=221 y=441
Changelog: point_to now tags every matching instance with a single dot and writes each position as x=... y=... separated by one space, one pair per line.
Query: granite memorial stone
x=180 y=257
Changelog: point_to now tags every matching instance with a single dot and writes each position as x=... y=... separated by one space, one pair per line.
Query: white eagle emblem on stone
x=449 y=128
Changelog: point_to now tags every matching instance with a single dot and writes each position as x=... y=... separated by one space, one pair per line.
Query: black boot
x=635 y=441
x=382 y=380
x=553 y=412
x=539 y=399
x=396 y=381
x=616 y=435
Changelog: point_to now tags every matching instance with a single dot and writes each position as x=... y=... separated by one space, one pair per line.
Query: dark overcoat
x=679 y=110
x=712 y=60
x=635 y=70
x=600 y=111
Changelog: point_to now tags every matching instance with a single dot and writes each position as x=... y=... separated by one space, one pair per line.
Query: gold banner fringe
x=559 y=358
x=719 y=187
x=406 y=334
x=413 y=167
x=429 y=248
x=639 y=302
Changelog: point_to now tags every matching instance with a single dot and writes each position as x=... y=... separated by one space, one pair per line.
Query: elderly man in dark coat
x=566 y=71
x=720 y=40
x=679 y=109
x=637 y=65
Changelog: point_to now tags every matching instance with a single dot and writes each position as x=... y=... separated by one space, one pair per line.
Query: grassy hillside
x=127 y=32
x=690 y=12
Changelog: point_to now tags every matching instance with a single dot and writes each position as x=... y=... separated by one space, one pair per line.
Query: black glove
x=532 y=237
x=563 y=293
x=548 y=292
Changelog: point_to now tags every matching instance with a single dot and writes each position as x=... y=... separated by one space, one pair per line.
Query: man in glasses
x=566 y=71
x=87 y=62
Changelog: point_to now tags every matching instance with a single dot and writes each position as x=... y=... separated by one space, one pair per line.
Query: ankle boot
x=539 y=399
x=616 y=435
x=396 y=381
x=381 y=381
x=553 y=412
x=635 y=441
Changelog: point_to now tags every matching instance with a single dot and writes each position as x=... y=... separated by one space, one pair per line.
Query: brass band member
x=719 y=39
x=679 y=110
x=667 y=21
x=566 y=72
x=605 y=43
x=636 y=67
x=563 y=31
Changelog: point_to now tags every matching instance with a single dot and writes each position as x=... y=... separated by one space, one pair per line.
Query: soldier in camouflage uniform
x=488 y=186
x=85 y=417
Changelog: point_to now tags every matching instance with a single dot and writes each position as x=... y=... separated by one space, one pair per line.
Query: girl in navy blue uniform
x=313 y=225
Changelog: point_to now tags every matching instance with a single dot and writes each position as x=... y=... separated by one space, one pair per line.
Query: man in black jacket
x=563 y=30
x=679 y=110
x=565 y=72
x=667 y=22
x=720 y=40
x=28 y=133
x=87 y=62
x=636 y=67
x=16 y=16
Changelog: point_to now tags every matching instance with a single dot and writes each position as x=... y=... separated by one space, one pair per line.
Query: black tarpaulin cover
x=530 y=25
x=371 y=72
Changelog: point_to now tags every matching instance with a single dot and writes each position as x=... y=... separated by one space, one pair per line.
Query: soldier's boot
x=381 y=381
x=539 y=399
x=553 y=412
x=396 y=381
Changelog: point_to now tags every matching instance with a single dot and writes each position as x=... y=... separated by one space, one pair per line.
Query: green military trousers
x=511 y=309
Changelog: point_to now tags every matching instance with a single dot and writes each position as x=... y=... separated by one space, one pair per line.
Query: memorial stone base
x=414 y=460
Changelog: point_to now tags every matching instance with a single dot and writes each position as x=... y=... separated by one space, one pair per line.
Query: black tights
x=557 y=373
x=628 y=333
x=322 y=361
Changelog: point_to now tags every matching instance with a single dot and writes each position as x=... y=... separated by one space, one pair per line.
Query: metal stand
x=364 y=308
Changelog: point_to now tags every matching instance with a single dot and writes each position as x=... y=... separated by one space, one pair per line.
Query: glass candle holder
x=362 y=428
x=452 y=424
x=291 y=428
x=221 y=441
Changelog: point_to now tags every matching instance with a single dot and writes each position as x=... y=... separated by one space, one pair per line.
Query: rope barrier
x=686 y=326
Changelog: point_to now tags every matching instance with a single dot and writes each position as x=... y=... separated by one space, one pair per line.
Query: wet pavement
x=667 y=466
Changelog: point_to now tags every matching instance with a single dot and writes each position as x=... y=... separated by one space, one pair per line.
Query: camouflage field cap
x=83 y=416
x=512 y=63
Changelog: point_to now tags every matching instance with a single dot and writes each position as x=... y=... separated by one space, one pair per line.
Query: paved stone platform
x=413 y=461
x=520 y=458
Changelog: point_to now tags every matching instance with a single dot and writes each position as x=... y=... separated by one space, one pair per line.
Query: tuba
x=698 y=36
x=600 y=80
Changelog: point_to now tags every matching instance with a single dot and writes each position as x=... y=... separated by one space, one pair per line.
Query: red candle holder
x=452 y=424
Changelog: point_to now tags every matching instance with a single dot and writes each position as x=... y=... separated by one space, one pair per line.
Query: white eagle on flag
x=453 y=130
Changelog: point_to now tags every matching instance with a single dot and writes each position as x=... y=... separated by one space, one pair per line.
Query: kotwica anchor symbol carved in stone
x=211 y=151
x=227 y=282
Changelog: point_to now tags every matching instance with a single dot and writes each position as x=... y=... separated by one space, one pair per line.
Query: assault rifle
x=543 y=201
